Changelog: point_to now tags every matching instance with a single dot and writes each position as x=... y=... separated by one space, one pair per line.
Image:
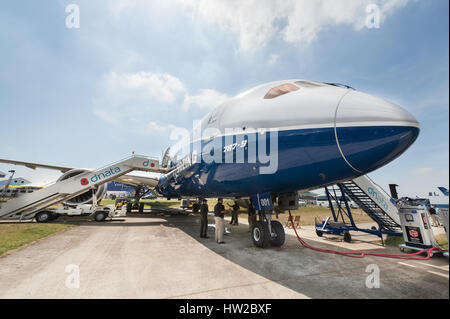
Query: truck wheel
x=43 y=217
x=141 y=207
x=319 y=233
x=100 y=216
x=129 y=207
x=278 y=229
x=260 y=235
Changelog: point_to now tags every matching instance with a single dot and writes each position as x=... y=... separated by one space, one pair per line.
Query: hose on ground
x=412 y=256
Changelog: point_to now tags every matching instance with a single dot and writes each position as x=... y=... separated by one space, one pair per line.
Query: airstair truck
x=30 y=205
x=369 y=198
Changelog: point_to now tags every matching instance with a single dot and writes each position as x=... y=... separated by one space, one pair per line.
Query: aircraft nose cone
x=371 y=132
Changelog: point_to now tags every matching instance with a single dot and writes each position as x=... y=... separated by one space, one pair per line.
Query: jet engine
x=86 y=197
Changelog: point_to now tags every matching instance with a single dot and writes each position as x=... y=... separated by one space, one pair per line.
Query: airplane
x=275 y=139
x=440 y=201
x=443 y=190
x=20 y=181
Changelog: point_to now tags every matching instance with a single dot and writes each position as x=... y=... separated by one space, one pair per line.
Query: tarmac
x=154 y=256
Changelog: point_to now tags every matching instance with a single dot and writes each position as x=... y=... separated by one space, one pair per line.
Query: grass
x=15 y=235
x=393 y=241
x=162 y=203
x=307 y=214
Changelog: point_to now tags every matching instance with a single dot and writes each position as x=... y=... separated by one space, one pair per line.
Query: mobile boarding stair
x=362 y=191
x=28 y=205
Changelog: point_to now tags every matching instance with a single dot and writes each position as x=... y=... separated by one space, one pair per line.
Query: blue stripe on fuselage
x=307 y=158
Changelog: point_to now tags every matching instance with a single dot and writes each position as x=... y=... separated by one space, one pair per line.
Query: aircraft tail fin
x=443 y=190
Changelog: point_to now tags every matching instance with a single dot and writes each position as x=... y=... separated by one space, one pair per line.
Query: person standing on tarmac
x=234 y=213
x=204 y=209
x=251 y=216
x=219 y=214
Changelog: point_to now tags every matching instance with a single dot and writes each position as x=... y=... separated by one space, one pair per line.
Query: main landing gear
x=267 y=232
x=136 y=204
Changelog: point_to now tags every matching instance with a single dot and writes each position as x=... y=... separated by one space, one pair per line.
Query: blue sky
x=134 y=70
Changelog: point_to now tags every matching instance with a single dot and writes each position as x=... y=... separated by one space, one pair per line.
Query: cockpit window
x=280 y=90
x=308 y=84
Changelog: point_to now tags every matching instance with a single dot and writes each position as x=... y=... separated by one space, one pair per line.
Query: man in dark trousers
x=204 y=209
x=251 y=216
x=234 y=213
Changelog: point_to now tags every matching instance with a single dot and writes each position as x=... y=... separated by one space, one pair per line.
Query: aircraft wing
x=36 y=165
x=130 y=179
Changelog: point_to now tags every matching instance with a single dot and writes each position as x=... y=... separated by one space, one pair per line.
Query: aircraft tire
x=260 y=235
x=278 y=229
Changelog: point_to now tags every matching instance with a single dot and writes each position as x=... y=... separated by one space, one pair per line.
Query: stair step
x=366 y=203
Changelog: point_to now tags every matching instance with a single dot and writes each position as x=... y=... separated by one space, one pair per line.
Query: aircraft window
x=280 y=90
x=308 y=84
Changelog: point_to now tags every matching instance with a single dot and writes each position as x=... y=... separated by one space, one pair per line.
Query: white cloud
x=389 y=6
x=256 y=22
x=159 y=128
x=206 y=99
x=135 y=100
x=147 y=102
x=161 y=87
x=119 y=6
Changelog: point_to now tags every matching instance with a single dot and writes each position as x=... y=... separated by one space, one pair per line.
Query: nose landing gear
x=267 y=232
